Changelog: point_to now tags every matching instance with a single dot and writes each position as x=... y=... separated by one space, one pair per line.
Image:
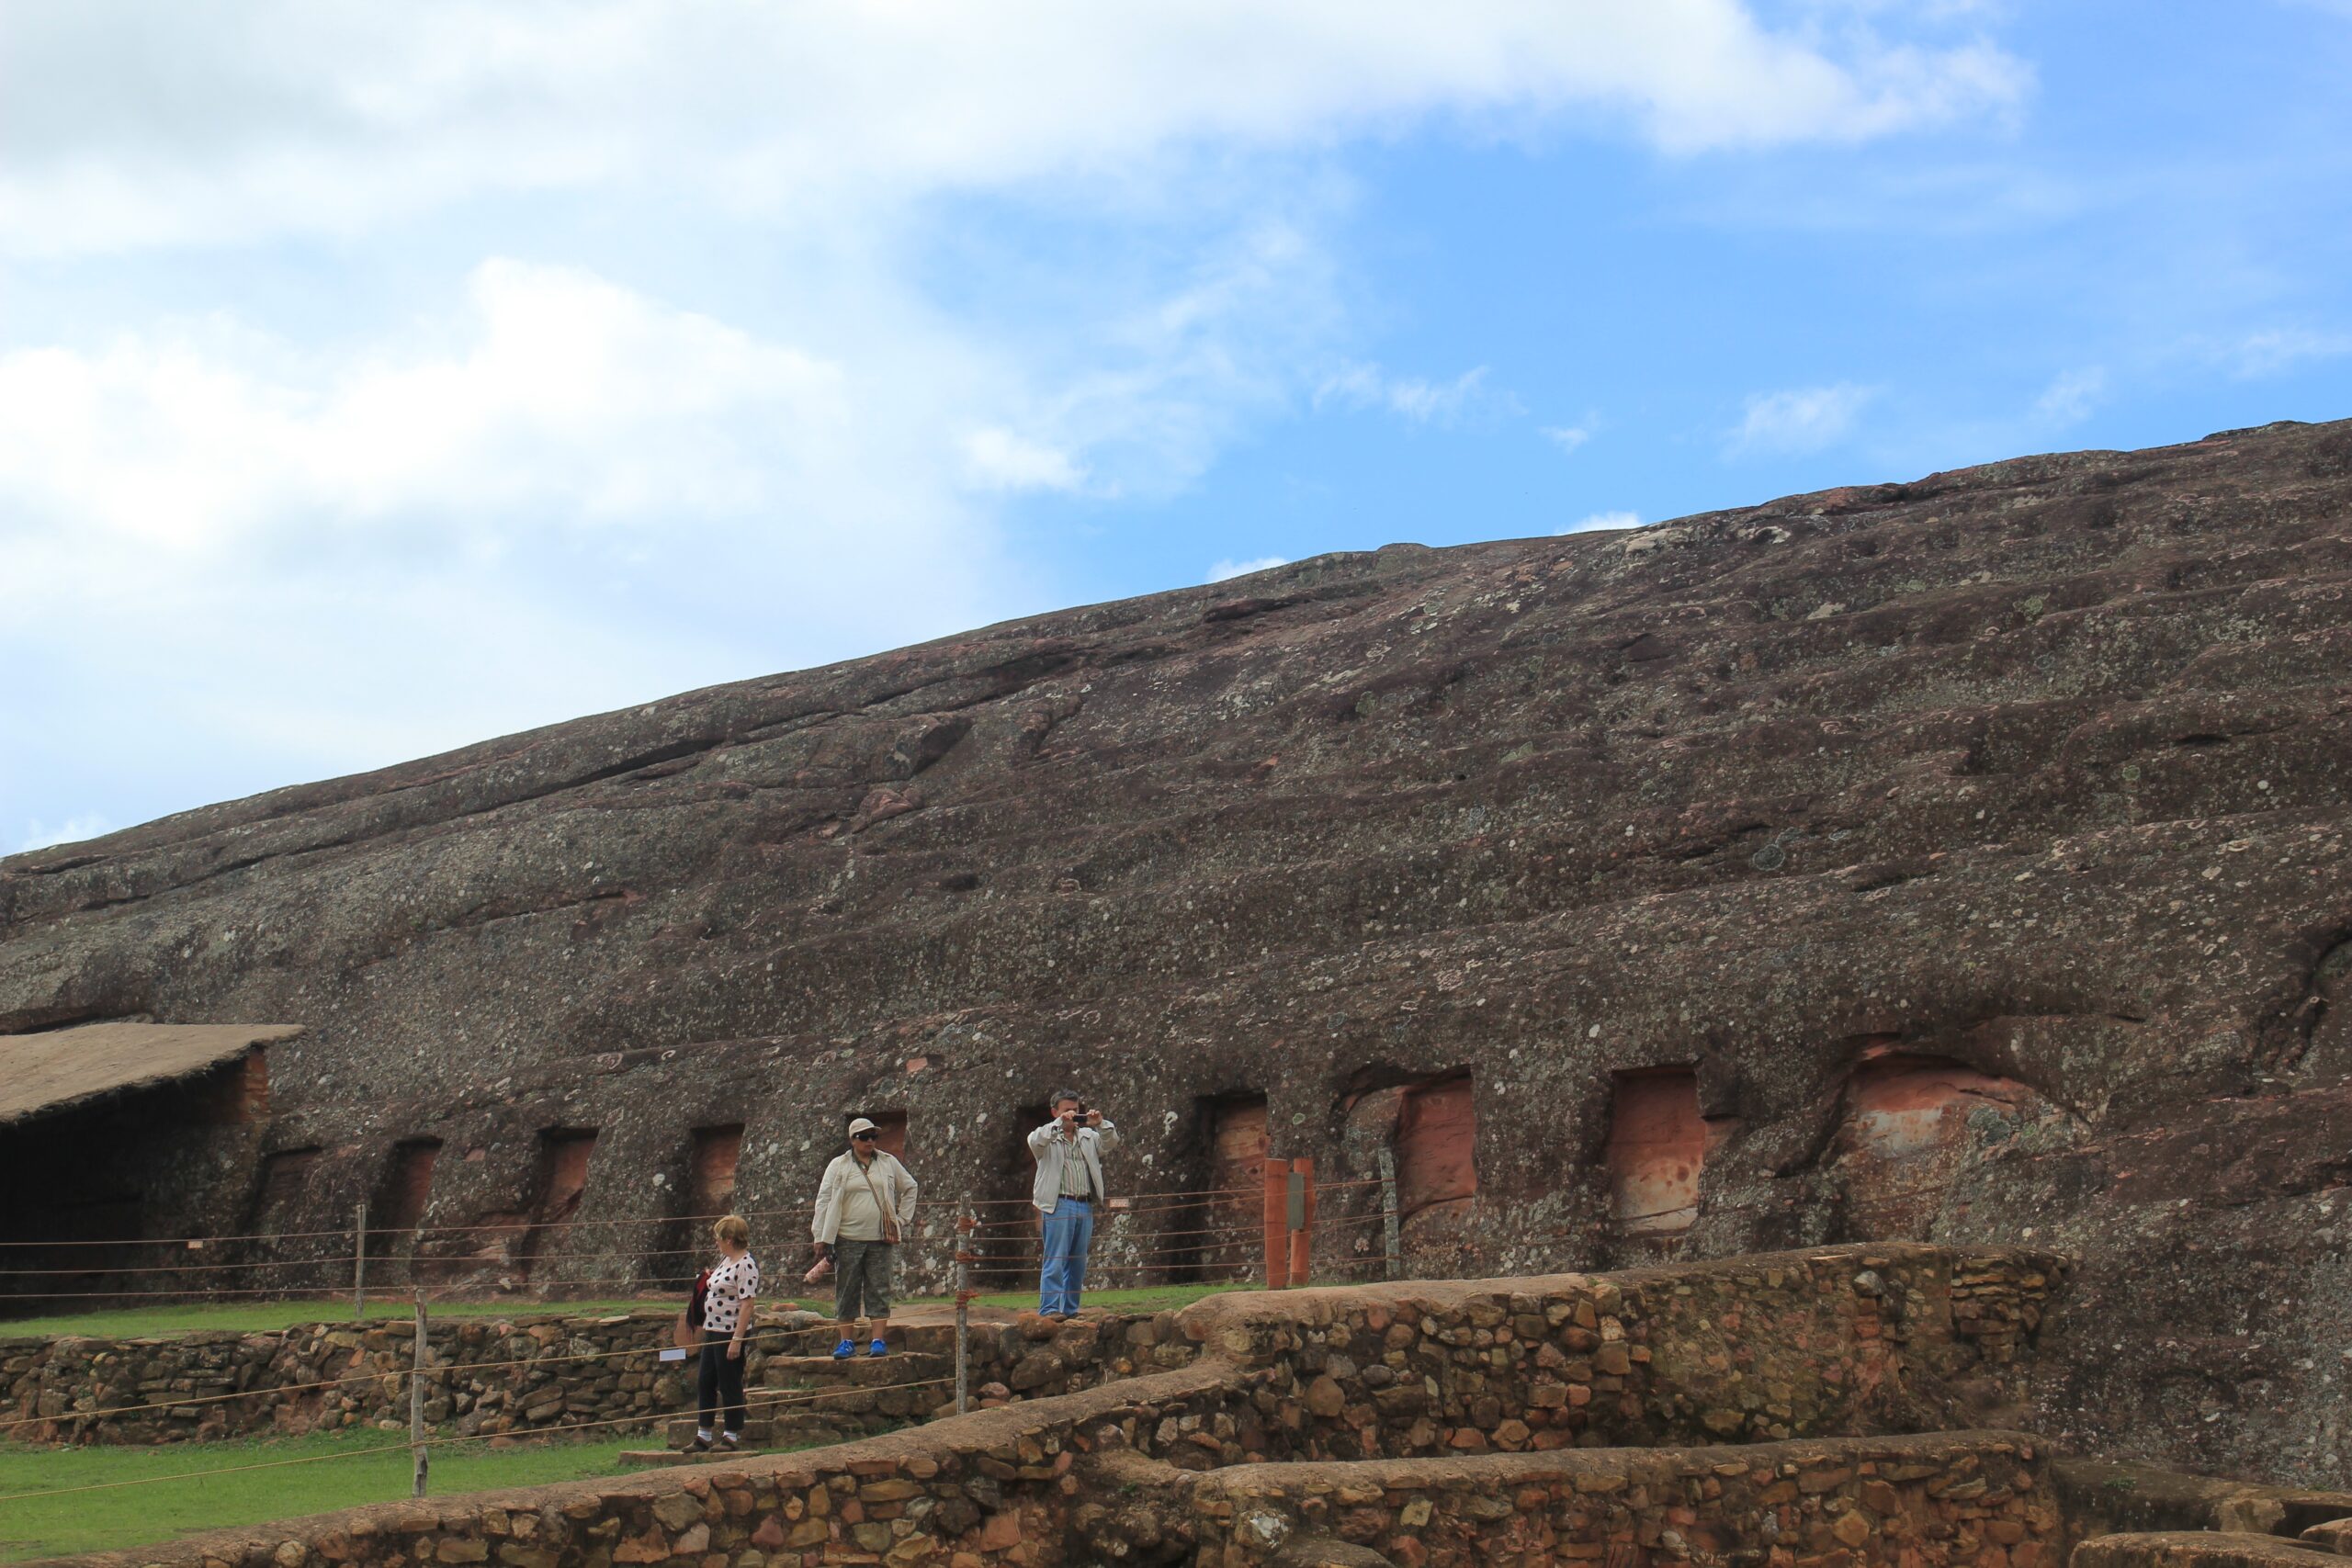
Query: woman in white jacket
x=864 y=1205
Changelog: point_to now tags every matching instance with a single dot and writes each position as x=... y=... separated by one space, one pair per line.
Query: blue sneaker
x=844 y=1350
x=877 y=1349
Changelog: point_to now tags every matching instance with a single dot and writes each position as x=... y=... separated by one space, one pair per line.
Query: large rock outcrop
x=1967 y=858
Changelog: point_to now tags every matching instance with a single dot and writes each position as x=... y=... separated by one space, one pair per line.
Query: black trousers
x=722 y=1383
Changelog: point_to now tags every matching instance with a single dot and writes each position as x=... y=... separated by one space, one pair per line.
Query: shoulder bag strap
x=889 y=1215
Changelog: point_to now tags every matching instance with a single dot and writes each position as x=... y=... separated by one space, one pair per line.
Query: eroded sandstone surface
x=1973 y=851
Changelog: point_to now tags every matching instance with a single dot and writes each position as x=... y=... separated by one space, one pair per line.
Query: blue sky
x=377 y=378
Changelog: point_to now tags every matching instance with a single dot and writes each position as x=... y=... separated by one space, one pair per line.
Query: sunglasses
x=861 y=1137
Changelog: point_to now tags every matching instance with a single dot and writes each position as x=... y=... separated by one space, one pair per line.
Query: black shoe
x=697 y=1444
x=730 y=1441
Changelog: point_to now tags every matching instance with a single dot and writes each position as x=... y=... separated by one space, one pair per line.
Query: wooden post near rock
x=416 y=1401
x=359 y=1265
x=964 y=1225
x=1391 y=1229
x=1299 y=1210
x=1277 y=1217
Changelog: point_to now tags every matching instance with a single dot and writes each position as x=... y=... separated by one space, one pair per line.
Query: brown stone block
x=652 y=1546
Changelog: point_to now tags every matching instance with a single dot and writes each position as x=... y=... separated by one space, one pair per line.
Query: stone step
x=648 y=1458
x=784 y=1427
x=862 y=1371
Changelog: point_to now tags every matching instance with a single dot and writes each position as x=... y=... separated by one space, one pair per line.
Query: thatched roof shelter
x=43 y=1074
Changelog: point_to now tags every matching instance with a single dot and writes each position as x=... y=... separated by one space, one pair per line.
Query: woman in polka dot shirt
x=726 y=1318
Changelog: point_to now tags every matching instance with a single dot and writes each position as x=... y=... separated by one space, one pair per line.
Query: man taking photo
x=1069 y=1150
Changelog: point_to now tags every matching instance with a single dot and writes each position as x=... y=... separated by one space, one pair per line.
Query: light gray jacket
x=1051 y=1149
x=893 y=1183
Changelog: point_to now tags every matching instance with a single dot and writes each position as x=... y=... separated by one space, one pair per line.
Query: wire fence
x=1213 y=1237
x=1190 y=1243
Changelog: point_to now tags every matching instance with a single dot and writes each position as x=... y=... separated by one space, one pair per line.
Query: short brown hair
x=734 y=1228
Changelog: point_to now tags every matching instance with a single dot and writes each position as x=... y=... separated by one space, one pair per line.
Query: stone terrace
x=1420 y=1421
x=493 y=1377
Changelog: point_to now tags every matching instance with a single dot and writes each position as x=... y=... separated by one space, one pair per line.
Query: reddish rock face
x=2036 y=768
x=1239 y=1141
x=563 y=1183
x=1658 y=1141
x=1911 y=1126
x=711 y=1180
x=278 y=1208
x=1437 y=1169
x=410 y=1189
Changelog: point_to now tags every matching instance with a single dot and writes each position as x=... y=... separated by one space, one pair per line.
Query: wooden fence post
x=1277 y=1215
x=1391 y=1222
x=1300 y=1212
x=359 y=1266
x=965 y=1225
x=416 y=1401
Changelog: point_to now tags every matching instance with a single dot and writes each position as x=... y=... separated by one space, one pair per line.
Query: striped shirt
x=1074 y=1179
x=733 y=1284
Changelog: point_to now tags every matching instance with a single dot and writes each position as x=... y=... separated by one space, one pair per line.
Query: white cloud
x=363 y=519
x=2070 y=399
x=558 y=496
x=1441 y=403
x=1567 y=437
x=1803 y=418
x=73 y=831
x=1000 y=460
x=129 y=124
x=2281 y=349
x=568 y=396
x=1604 y=519
x=1228 y=568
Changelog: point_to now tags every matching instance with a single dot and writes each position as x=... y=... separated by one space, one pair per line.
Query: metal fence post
x=416 y=1401
x=964 y=1225
x=359 y=1266
x=1391 y=1222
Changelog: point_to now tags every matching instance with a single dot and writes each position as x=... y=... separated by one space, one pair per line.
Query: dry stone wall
x=524 y=1375
x=1981 y=1500
x=2200 y=1549
x=1899 y=1339
x=488 y=1376
x=1113 y=1469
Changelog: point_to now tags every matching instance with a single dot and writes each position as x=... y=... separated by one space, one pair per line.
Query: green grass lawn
x=261 y=1317
x=368 y=1467
x=351 y=1468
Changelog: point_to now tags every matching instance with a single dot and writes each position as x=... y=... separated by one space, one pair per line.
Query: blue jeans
x=1069 y=1231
